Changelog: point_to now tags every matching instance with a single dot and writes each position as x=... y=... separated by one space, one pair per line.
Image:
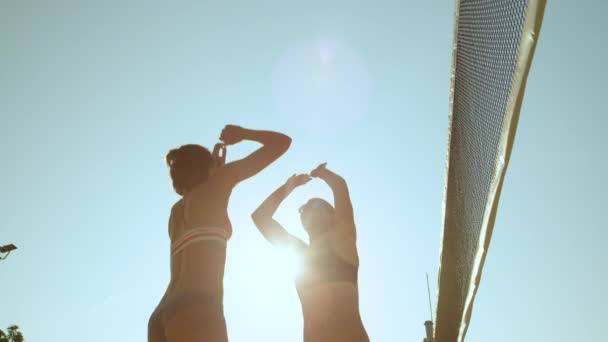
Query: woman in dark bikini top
x=192 y=307
x=327 y=285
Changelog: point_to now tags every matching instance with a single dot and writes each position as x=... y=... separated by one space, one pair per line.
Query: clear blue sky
x=93 y=95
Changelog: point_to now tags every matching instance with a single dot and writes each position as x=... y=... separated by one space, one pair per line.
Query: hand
x=232 y=134
x=296 y=181
x=219 y=153
x=318 y=171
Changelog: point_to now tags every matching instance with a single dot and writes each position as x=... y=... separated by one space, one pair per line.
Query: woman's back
x=192 y=307
x=201 y=265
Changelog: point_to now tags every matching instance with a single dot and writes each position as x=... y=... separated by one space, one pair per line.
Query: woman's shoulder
x=214 y=186
x=175 y=216
x=177 y=207
x=345 y=247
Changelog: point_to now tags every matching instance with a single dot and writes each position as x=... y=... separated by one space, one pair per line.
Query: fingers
x=218 y=149
x=224 y=131
x=318 y=169
x=230 y=135
x=219 y=153
x=226 y=134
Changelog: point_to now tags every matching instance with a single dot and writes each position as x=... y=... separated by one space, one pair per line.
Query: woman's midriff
x=201 y=268
x=193 y=301
x=331 y=313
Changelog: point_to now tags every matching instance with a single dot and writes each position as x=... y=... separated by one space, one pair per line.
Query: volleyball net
x=494 y=43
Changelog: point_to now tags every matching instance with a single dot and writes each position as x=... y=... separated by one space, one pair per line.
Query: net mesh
x=488 y=39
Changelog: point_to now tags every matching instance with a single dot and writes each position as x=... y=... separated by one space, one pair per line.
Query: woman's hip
x=188 y=316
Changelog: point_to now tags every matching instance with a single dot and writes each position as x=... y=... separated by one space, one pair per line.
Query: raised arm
x=274 y=145
x=345 y=221
x=272 y=230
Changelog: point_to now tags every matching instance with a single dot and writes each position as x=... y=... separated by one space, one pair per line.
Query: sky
x=94 y=94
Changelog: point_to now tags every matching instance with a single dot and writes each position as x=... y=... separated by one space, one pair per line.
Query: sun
x=288 y=261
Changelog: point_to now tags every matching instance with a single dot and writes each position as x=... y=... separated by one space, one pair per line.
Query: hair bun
x=172 y=157
x=189 y=165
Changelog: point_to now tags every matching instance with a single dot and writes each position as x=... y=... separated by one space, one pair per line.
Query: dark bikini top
x=325 y=267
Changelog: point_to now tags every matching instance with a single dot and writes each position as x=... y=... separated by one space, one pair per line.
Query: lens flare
x=321 y=85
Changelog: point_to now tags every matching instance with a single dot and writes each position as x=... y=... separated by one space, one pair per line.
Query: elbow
x=340 y=182
x=279 y=144
x=285 y=143
x=261 y=223
x=258 y=219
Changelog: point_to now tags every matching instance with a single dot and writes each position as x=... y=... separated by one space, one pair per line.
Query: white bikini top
x=199 y=234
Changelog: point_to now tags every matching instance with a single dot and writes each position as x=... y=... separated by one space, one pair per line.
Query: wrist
x=247 y=134
x=286 y=190
x=321 y=173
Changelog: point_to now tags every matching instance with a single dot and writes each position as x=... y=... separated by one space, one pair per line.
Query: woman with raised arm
x=192 y=308
x=327 y=284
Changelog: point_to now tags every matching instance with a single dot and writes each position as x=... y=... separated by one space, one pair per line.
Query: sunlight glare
x=288 y=261
x=321 y=85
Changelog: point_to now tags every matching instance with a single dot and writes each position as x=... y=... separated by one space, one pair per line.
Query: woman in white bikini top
x=199 y=227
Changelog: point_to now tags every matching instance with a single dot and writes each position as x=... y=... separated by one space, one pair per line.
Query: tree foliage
x=12 y=334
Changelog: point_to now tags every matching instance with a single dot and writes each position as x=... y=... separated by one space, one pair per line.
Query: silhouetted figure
x=199 y=227
x=327 y=284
